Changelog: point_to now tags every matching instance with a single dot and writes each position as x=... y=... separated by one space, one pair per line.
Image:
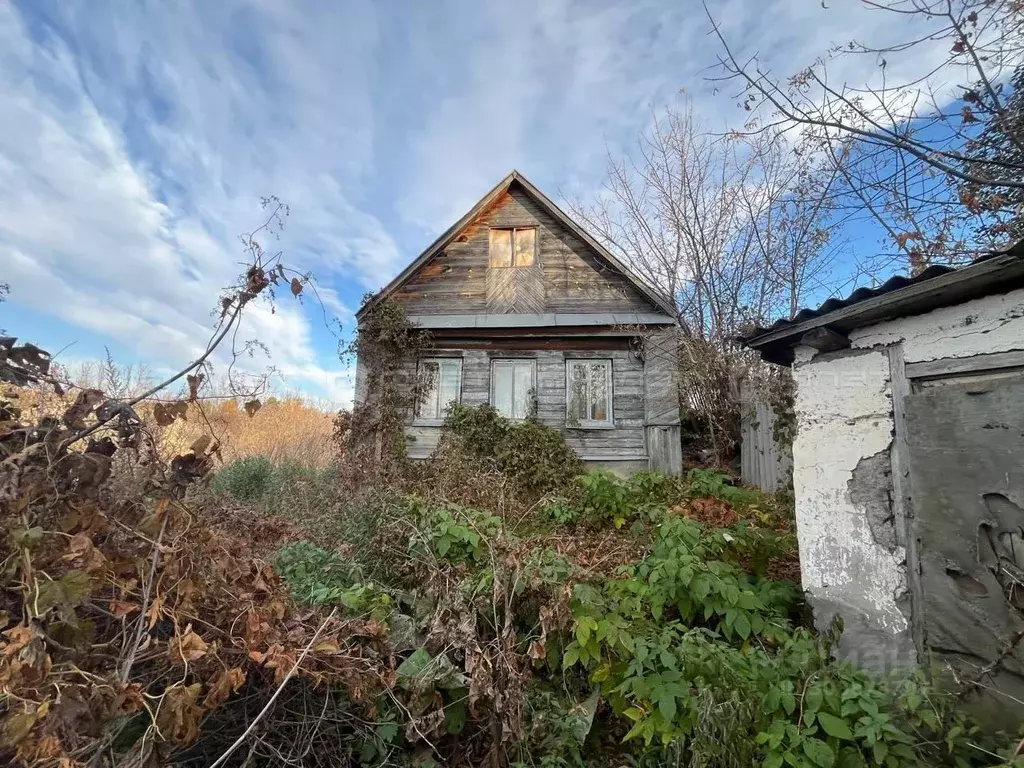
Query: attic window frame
x=513 y=263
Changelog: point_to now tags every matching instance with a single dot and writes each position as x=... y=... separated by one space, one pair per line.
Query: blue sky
x=139 y=137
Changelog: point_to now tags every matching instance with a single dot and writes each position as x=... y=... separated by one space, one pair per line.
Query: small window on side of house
x=514 y=247
x=588 y=386
x=512 y=387
x=443 y=378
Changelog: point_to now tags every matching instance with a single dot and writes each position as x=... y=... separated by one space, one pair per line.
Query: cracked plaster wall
x=851 y=563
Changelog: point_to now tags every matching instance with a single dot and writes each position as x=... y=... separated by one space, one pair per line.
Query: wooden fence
x=763 y=462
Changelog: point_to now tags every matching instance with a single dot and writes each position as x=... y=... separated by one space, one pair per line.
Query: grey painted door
x=965 y=441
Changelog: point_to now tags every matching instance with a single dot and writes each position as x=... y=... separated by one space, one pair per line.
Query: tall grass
x=305 y=495
x=289 y=431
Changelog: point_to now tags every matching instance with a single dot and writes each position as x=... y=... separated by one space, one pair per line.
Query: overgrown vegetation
x=533 y=456
x=495 y=605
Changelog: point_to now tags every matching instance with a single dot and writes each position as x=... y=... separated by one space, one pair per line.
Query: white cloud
x=86 y=237
x=136 y=141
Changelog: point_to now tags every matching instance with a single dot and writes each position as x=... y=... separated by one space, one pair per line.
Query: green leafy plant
x=246 y=479
x=456 y=534
x=534 y=456
x=604 y=497
x=561 y=511
x=711 y=483
x=320 y=577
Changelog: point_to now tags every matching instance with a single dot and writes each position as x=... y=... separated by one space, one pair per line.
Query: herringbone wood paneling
x=516 y=290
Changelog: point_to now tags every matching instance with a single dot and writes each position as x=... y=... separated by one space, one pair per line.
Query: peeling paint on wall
x=871 y=490
x=990 y=324
x=852 y=563
x=844 y=413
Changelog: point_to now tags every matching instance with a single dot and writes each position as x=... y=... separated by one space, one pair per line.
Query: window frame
x=532 y=361
x=437 y=420
x=512 y=244
x=571 y=421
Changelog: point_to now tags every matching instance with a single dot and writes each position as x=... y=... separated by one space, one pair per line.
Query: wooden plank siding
x=557 y=296
x=574 y=279
x=624 y=442
x=764 y=463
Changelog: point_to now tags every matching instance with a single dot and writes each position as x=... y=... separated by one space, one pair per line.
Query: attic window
x=514 y=247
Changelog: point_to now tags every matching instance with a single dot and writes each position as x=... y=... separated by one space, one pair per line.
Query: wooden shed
x=531 y=314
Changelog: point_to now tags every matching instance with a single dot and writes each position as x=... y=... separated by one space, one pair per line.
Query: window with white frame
x=589 y=387
x=512 y=387
x=443 y=377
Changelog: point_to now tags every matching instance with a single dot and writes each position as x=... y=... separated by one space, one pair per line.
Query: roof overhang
x=546 y=320
x=999 y=274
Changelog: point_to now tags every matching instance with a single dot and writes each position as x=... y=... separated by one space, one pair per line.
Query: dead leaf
x=83 y=554
x=187 y=647
x=166 y=414
x=229 y=681
x=201 y=444
x=155 y=611
x=49 y=747
x=538 y=650
x=179 y=715
x=252 y=407
x=120 y=609
x=87 y=399
x=194 y=382
x=327 y=645
x=17 y=726
x=296 y=286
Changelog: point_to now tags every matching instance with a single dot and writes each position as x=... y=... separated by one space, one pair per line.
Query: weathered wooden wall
x=764 y=463
x=574 y=279
x=626 y=442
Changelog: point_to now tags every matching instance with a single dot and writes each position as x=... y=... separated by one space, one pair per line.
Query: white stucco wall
x=991 y=324
x=844 y=414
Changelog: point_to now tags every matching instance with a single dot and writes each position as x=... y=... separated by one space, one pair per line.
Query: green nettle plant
x=316 y=576
x=686 y=654
x=455 y=533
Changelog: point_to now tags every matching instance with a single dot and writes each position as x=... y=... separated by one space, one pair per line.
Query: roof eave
x=1000 y=274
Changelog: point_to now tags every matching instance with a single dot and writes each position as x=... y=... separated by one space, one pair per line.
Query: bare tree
x=906 y=146
x=734 y=229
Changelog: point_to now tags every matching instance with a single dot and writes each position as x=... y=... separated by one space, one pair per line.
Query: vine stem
x=213 y=344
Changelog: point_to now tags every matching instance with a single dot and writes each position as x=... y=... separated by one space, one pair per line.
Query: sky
x=138 y=139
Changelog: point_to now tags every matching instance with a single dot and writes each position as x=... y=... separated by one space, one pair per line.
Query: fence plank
x=764 y=463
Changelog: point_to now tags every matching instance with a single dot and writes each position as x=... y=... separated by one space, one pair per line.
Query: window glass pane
x=501 y=248
x=430 y=378
x=501 y=384
x=523 y=389
x=449 y=385
x=599 y=391
x=577 y=390
x=526 y=247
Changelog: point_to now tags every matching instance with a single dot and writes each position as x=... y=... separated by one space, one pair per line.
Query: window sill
x=595 y=425
x=428 y=422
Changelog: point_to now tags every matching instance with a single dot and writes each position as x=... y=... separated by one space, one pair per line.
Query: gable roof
x=544 y=202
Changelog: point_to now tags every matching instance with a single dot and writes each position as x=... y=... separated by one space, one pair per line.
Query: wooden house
x=531 y=314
